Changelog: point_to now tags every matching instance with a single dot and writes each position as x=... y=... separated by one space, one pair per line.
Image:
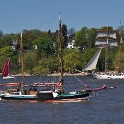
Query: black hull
x=49 y=96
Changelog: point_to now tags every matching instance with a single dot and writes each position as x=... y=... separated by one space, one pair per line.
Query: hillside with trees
x=41 y=50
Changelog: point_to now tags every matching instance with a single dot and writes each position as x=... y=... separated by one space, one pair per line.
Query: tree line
x=41 y=50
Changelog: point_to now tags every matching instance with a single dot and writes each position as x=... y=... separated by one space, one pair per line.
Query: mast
x=22 y=64
x=106 y=52
x=60 y=52
x=121 y=60
x=8 y=66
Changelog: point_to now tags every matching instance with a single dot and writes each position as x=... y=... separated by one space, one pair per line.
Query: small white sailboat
x=102 y=75
x=108 y=76
x=6 y=70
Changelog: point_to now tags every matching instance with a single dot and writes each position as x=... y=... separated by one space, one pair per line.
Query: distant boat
x=103 y=75
x=58 y=93
x=6 y=70
x=108 y=75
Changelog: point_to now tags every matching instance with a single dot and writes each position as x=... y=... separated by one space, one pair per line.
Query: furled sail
x=93 y=62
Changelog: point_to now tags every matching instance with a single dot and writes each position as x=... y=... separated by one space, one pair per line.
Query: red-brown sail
x=6 y=68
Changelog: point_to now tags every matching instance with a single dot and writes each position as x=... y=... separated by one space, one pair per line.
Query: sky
x=17 y=15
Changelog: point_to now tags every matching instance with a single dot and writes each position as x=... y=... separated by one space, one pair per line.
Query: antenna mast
x=121 y=59
x=106 y=51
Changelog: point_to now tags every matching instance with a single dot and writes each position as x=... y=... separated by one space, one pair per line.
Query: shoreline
x=69 y=74
x=55 y=74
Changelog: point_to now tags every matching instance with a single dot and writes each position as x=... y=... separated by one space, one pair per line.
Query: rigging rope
x=82 y=82
x=49 y=20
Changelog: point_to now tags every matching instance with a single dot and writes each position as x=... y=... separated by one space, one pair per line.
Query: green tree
x=106 y=28
x=29 y=36
x=85 y=38
x=6 y=52
x=91 y=37
x=71 y=33
x=64 y=34
x=1 y=34
x=44 y=45
x=81 y=38
x=116 y=60
x=42 y=68
x=72 y=60
x=30 y=60
x=2 y=42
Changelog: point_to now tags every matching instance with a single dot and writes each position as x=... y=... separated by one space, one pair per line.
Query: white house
x=71 y=44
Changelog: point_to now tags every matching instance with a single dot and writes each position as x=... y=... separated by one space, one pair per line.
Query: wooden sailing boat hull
x=48 y=96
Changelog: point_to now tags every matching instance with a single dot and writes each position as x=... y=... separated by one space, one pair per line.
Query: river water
x=104 y=107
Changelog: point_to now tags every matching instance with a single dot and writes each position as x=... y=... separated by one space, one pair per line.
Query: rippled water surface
x=105 y=107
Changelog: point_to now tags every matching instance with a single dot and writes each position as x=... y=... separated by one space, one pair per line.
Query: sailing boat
x=20 y=93
x=92 y=66
x=58 y=94
x=6 y=70
x=105 y=75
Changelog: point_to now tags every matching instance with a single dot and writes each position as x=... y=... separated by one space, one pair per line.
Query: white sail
x=93 y=62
